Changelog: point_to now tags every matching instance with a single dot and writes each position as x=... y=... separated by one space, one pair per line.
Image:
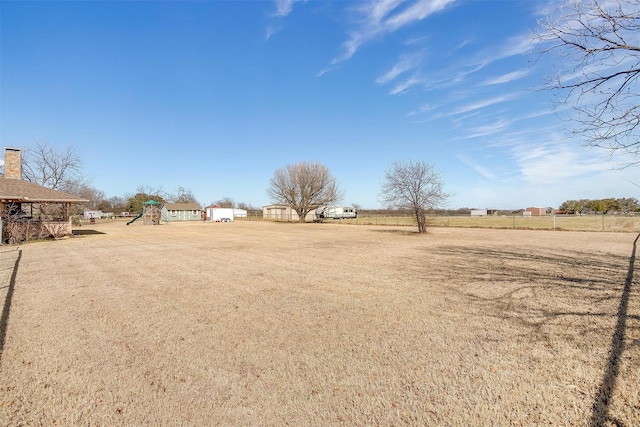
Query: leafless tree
x=182 y=195
x=59 y=170
x=247 y=207
x=116 y=203
x=154 y=191
x=94 y=196
x=413 y=185
x=596 y=45
x=304 y=186
x=225 y=202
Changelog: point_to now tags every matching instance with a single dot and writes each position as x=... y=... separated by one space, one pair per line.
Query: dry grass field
x=270 y=324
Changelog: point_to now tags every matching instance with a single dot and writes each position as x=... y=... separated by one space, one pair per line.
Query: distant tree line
x=134 y=202
x=61 y=169
x=604 y=206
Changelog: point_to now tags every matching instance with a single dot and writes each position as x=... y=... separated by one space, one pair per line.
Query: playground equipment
x=134 y=218
x=151 y=211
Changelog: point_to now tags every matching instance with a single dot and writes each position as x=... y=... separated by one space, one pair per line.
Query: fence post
x=602 y=222
x=514 y=221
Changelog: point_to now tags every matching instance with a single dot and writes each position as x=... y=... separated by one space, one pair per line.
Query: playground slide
x=136 y=217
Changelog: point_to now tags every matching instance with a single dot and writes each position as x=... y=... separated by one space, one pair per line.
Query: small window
x=195 y=212
x=173 y=212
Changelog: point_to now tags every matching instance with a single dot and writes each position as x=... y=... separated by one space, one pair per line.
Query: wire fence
x=616 y=223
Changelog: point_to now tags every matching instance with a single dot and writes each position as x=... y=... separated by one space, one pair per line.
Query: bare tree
x=413 y=185
x=94 y=196
x=596 y=44
x=182 y=195
x=116 y=203
x=225 y=202
x=156 y=192
x=59 y=170
x=304 y=186
x=247 y=207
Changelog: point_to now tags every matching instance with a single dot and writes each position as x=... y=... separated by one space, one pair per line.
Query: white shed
x=285 y=213
x=478 y=212
x=240 y=213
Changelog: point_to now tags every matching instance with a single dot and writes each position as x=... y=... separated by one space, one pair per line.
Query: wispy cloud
x=478 y=105
x=554 y=162
x=460 y=46
x=506 y=78
x=386 y=16
x=405 y=64
x=284 y=7
x=493 y=128
x=416 y=12
x=271 y=30
x=521 y=44
x=325 y=71
x=416 y=40
x=424 y=108
x=517 y=45
x=482 y=170
x=407 y=84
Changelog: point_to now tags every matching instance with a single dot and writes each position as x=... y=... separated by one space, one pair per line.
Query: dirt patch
x=256 y=323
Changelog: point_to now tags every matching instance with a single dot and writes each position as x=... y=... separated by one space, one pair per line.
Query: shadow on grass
x=4 y=319
x=408 y=232
x=600 y=410
x=86 y=232
x=566 y=275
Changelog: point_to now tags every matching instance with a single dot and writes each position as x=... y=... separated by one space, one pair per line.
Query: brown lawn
x=271 y=324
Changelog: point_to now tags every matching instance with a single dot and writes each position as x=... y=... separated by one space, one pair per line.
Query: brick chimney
x=12 y=163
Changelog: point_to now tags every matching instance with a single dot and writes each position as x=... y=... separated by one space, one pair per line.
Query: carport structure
x=30 y=210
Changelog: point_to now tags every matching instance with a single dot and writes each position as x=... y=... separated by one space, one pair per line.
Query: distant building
x=483 y=212
x=284 y=213
x=535 y=211
x=240 y=213
x=181 y=212
x=92 y=214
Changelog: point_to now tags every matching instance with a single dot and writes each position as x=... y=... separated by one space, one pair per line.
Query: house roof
x=17 y=190
x=183 y=206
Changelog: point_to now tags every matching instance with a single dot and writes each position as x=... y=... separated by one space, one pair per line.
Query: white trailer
x=92 y=215
x=335 y=212
x=220 y=214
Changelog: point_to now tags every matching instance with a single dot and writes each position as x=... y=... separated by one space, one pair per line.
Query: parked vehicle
x=335 y=212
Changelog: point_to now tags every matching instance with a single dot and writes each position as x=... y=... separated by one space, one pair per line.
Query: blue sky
x=214 y=96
